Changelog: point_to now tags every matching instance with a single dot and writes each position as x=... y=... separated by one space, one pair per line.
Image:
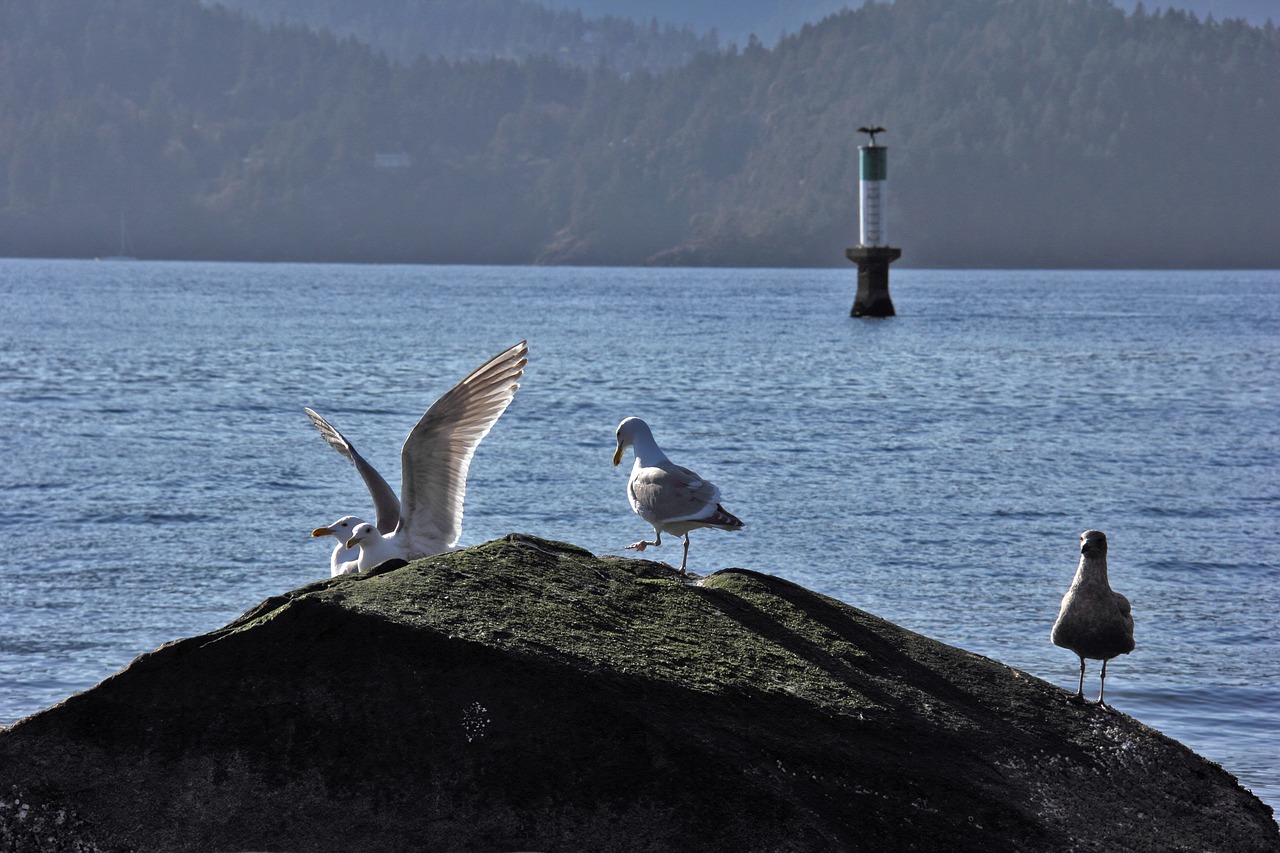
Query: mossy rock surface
x=526 y=695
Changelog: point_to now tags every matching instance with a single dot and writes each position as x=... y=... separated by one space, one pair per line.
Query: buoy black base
x=872 y=299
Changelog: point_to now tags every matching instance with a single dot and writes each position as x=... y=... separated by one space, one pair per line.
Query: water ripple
x=935 y=469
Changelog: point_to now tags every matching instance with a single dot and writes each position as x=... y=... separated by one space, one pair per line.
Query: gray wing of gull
x=668 y=493
x=386 y=505
x=437 y=454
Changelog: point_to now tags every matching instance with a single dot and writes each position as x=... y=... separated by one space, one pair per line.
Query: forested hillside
x=768 y=18
x=625 y=34
x=1061 y=132
x=406 y=30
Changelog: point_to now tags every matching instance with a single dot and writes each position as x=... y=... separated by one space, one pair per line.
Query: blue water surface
x=936 y=468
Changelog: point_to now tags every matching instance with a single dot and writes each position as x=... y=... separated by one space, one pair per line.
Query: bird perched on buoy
x=871 y=131
x=673 y=499
x=1094 y=621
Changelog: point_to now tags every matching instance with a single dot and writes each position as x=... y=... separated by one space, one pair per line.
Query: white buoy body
x=873 y=170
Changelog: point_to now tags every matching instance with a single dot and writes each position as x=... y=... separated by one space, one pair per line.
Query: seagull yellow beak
x=617 y=456
x=322 y=531
x=350 y=543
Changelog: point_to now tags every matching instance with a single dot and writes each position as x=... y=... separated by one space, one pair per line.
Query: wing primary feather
x=329 y=433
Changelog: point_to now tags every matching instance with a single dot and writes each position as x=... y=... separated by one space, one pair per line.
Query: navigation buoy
x=873 y=254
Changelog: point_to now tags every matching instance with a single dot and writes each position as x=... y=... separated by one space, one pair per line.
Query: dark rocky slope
x=525 y=695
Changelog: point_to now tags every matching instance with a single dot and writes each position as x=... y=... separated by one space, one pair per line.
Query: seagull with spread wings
x=426 y=518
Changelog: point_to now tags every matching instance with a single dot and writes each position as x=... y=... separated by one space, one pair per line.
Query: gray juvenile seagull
x=671 y=498
x=1094 y=622
x=427 y=517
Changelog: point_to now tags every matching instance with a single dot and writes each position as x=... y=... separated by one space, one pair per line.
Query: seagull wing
x=385 y=503
x=437 y=454
x=669 y=493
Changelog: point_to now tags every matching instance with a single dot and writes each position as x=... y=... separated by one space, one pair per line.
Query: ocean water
x=160 y=477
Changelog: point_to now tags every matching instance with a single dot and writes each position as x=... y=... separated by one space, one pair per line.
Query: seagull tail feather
x=724 y=520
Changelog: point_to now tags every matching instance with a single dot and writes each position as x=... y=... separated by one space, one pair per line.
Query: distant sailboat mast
x=123 y=253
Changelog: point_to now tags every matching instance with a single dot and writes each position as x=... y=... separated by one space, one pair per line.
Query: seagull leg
x=1102 y=685
x=642 y=544
x=684 y=559
x=1079 y=697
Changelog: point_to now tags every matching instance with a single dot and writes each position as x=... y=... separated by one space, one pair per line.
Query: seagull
x=1094 y=622
x=671 y=498
x=426 y=518
x=345 y=560
x=371 y=547
x=873 y=130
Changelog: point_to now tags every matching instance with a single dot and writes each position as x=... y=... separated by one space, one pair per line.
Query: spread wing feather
x=437 y=454
x=385 y=503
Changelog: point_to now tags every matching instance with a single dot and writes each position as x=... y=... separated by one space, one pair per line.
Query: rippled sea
x=160 y=478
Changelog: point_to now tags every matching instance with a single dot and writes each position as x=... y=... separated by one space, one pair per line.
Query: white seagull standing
x=427 y=517
x=1094 y=622
x=673 y=499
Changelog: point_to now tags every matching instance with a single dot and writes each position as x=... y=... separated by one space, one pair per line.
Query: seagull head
x=362 y=533
x=626 y=434
x=341 y=529
x=1093 y=543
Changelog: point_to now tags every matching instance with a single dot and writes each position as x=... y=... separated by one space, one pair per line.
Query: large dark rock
x=524 y=695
